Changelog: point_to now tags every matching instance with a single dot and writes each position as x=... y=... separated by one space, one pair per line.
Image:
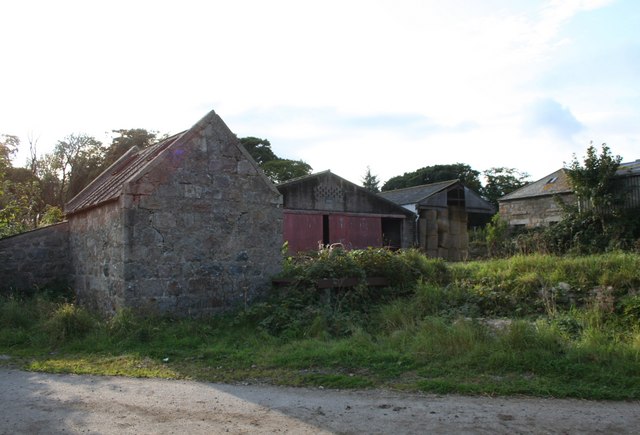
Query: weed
x=68 y=321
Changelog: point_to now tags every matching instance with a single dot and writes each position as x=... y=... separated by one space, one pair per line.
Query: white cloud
x=392 y=84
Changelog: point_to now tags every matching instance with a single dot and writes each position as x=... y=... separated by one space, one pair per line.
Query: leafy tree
x=260 y=149
x=75 y=161
x=125 y=140
x=51 y=215
x=370 y=182
x=434 y=174
x=500 y=181
x=274 y=167
x=8 y=146
x=594 y=184
x=281 y=170
x=19 y=192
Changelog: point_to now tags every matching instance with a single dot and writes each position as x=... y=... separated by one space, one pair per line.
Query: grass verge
x=437 y=337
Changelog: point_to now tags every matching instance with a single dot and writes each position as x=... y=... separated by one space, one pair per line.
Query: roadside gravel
x=40 y=403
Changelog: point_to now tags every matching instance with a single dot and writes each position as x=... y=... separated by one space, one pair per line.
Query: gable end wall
x=203 y=228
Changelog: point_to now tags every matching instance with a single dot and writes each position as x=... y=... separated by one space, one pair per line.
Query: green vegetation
x=599 y=221
x=537 y=325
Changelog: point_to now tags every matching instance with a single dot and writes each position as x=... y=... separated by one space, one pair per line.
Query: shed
x=444 y=210
x=188 y=226
x=323 y=208
x=536 y=204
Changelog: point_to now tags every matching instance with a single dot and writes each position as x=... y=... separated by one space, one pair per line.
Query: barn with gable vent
x=323 y=209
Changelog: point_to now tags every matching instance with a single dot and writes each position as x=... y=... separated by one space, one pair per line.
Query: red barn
x=324 y=209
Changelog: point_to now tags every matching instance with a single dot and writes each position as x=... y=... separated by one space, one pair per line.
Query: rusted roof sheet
x=108 y=185
x=416 y=194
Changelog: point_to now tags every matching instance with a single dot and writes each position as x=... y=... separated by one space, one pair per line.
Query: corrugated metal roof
x=629 y=168
x=108 y=185
x=416 y=194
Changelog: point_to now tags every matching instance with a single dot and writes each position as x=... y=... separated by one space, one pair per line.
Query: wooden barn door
x=303 y=232
x=355 y=232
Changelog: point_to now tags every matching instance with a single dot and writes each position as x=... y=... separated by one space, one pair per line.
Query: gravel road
x=40 y=403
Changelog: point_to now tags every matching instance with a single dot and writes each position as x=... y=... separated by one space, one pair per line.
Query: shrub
x=15 y=313
x=69 y=321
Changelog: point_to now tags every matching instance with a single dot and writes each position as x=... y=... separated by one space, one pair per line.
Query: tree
x=8 y=146
x=370 y=182
x=74 y=162
x=125 y=140
x=274 y=167
x=260 y=149
x=594 y=184
x=280 y=170
x=19 y=192
x=500 y=181
x=434 y=174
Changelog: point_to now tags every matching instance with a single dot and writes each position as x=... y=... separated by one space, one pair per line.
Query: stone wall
x=97 y=265
x=203 y=227
x=535 y=211
x=36 y=259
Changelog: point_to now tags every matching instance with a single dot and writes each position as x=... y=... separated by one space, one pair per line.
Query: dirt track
x=33 y=403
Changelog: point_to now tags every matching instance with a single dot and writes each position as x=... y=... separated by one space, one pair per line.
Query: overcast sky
x=394 y=85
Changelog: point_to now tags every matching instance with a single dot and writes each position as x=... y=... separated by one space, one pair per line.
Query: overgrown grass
x=572 y=329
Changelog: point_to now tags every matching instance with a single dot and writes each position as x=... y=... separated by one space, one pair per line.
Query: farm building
x=187 y=226
x=445 y=210
x=536 y=204
x=323 y=208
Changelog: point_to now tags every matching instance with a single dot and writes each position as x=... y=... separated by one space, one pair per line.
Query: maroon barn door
x=355 y=232
x=303 y=232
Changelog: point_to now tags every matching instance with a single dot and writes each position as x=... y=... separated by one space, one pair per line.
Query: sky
x=343 y=85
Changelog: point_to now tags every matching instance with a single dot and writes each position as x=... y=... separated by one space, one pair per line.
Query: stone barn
x=323 y=208
x=536 y=204
x=188 y=226
x=445 y=210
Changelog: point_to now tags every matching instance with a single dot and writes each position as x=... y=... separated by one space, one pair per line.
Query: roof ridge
x=453 y=180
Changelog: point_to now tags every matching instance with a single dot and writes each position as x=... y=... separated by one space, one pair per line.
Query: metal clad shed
x=445 y=210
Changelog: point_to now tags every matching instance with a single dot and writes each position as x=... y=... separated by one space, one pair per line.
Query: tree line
x=34 y=195
x=498 y=180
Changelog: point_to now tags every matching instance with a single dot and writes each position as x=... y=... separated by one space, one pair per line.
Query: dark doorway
x=392 y=232
x=326 y=240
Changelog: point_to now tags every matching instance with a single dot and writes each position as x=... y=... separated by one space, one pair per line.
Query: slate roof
x=416 y=194
x=474 y=203
x=108 y=185
x=558 y=183
x=553 y=184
